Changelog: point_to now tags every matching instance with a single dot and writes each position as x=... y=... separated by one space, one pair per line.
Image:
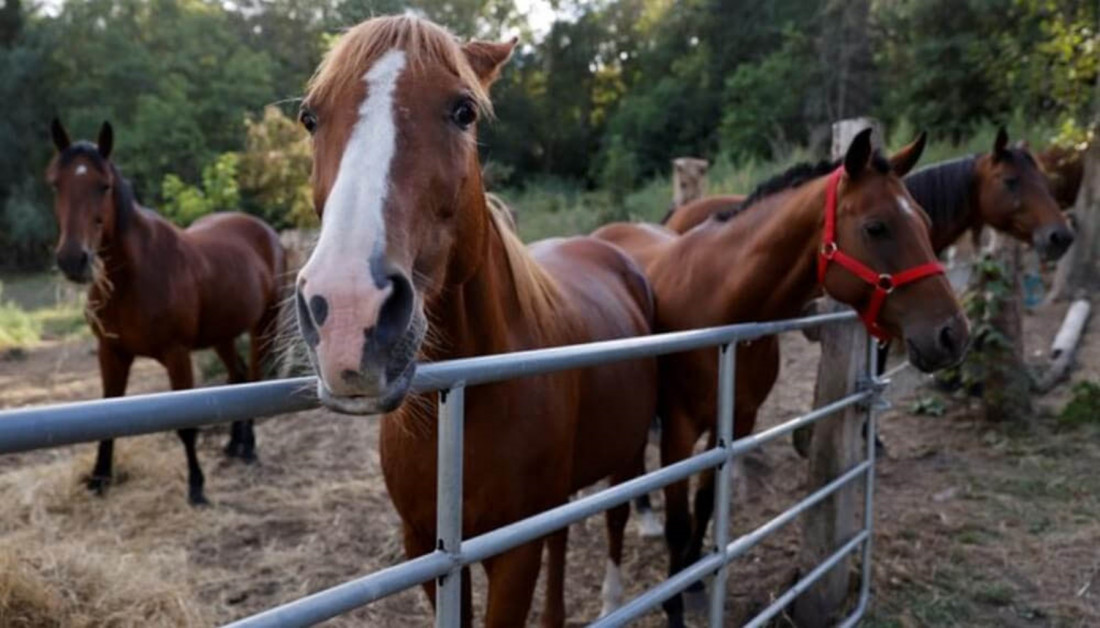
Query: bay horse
x=681 y=219
x=762 y=263
x=413 y=265
x=161 y=292
x=1003 y=188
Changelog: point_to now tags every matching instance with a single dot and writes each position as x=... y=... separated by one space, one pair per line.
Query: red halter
x=882 y=283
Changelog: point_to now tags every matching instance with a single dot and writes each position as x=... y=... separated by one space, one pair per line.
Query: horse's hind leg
x=114 y=371
x=677 y=440
x=241 y=442
x=612 y=589
x=553 y=614
x=178 y=363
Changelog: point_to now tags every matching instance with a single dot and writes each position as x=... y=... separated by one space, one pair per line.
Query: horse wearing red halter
x=764 y=263
x=413 y=265
x=161 y=292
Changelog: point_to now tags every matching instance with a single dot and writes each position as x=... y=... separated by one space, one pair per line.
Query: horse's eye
x=1012 y=183
x=103 y=188
x=308 y=120
x=464 y=113
x=876 y=229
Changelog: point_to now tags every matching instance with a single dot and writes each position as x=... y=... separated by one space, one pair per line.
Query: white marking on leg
x=612 y=590
x=81 y=170
x=648 y=526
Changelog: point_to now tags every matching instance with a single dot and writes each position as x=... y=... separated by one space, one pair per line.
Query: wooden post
x=689 y=180
x=1006 y=389
x=1077 y=271
x=835 y=446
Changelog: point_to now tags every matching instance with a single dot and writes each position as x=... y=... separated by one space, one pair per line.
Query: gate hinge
x=878 y=401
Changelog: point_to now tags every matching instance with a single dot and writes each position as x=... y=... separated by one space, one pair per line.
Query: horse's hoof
x=97 y=484
x=248 y=456
x=880 y=448
x=649 y=527
x=197 y=499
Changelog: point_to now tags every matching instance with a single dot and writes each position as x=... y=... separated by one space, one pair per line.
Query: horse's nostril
x=1061 y=238
x=396 y=311
x=306 y=325
x=318 y=308
x=947 y=338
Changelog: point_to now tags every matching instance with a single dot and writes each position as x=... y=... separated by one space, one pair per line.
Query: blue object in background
x=1033 y=289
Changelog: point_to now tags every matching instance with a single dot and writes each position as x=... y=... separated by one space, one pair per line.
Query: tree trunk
x=1078 y=271
x=1006 y=391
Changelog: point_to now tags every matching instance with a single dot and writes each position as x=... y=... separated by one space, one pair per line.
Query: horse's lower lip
x=388 y=401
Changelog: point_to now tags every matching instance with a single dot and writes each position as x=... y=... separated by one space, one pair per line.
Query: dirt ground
x=977 y=524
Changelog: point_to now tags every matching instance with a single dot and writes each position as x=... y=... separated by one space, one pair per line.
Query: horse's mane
x=537 y=292
x=943 y=190
x=123 y=192
x=422 y=41
x=794 y=177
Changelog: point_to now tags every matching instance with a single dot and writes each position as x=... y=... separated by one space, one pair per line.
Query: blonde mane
x=538 y=294
x=423 y=43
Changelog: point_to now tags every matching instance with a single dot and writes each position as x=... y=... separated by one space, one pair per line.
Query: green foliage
x=620 y=171
x=1084 y=406
x=184 y=204
x=274 y=171
x=981 y=306
x=929 y=405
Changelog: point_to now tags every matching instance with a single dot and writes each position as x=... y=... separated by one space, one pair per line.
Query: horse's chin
x=387 y=400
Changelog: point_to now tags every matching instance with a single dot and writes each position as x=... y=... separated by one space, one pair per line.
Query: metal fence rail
x=53 y=426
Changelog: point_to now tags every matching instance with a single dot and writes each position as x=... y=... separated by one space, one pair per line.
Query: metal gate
x=55 y=426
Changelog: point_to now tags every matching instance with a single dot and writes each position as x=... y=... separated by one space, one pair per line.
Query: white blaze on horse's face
x=345 y=283
x=907 y=207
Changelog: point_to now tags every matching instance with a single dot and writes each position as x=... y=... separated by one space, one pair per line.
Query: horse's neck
x=123 y=252
x=948 y=195
x=482 y=315
x=774 y=275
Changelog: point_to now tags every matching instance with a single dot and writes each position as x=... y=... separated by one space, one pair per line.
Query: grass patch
x=1084 y=406
x=22 y=327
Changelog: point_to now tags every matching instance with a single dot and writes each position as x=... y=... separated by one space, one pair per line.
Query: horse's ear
x=486 y=58
x=60 y=136
x=1000 y=145
x=905 y=159
x=859 y=154
x=106 y=139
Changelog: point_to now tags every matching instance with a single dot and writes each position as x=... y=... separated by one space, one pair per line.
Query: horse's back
x=611 y=298
x=240 y=266
x=643 y=242
x=685 y=218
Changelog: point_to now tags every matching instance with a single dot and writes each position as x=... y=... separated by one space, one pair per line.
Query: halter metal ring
x=885 y=283
x=829 y=249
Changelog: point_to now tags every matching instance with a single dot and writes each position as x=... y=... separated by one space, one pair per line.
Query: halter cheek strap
x=882 y=283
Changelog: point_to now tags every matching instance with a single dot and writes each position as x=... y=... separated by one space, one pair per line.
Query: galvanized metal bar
x=653 y=598
x=868 y=491
x=344 y=598
x=515 y=534
x=68 y=424
x=806 y=582
x=448 y=517
x=727 y=364
x=744 y=543
x=743 y=445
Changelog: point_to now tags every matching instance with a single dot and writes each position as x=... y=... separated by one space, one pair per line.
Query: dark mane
x=794 y=177
x=943 y=190
x=124 y=200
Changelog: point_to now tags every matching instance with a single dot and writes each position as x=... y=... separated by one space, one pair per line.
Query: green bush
x=1083 y=406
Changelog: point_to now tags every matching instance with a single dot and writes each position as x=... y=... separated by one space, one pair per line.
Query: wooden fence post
x=835 y=445
x=1007 y=387
x=689 y=180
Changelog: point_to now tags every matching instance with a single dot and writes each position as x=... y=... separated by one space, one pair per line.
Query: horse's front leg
x=178 y=363
x=114 y=372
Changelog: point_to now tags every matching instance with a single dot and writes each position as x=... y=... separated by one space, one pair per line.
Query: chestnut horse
x=161 y=292
x=412 y=265
x=1003 y=188
x=762 y=264
x=683 y=218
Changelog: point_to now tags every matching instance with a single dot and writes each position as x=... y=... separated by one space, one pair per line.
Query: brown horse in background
x=412 y=265
x=1003 y=188
x=161 y=292
x=761 y=264
x=681 y=219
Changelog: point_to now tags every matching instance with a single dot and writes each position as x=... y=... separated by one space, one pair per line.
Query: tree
x=274 y=171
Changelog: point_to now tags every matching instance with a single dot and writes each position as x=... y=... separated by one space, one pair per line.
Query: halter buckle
x=885 y=283
x=829 y=249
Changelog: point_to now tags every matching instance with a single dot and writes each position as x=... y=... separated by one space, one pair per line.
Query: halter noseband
x=882 y=283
